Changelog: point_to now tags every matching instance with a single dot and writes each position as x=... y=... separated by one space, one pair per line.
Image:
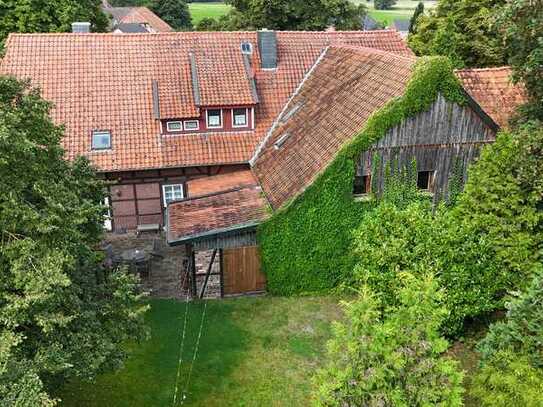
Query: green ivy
x=306 y=245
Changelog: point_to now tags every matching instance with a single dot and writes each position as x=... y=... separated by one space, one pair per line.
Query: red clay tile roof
x=225 y=209
x=346 y=87
x=217 y=183
x=493 y=90
x=140 y=15
x=104 y=81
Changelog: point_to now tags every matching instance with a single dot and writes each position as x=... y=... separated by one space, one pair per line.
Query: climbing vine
x=306 y=245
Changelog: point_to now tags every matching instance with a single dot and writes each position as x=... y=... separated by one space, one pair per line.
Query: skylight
x=282 y=140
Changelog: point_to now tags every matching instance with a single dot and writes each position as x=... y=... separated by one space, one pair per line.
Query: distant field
x=402 y=10
x=199 y=11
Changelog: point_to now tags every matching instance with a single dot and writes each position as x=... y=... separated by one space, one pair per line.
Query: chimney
x=81 y=27
x=267 y=44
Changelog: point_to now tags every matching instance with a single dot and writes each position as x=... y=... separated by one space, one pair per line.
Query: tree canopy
x=62 y=314
x=521 y=25
x=291 y=15
x=463 y=30
x=49 y=15
x=174 y=12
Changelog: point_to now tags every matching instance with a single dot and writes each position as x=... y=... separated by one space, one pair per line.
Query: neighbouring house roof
x=494 y=91
x=137 y=15
x=346 y=87
x=105 y=82
x=231 y=207
x=402 y=25
x=131 y=28
x=369 y=23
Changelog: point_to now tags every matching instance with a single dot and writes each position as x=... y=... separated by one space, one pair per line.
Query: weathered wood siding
x=438 y=138
x=232 y=240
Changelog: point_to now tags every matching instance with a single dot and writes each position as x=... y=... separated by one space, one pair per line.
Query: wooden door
x=241 y=271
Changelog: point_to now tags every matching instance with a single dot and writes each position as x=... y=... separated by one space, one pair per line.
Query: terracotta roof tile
x=104 y=81
x=493 y=90
x=346 y=87
x=226 y=208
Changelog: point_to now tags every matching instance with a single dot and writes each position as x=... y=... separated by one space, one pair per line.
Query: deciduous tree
x=463 y=30
x=49 y=15
x=62 y=315
x=174 y=12
x=296 y=14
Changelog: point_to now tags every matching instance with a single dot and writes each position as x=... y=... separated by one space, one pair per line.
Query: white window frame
x=108 y=224
x=174 y=131
x=250 y=51
x=164 y=186
x=191 y=121
x=207 y=119
x=246 y=118
x=100 y=132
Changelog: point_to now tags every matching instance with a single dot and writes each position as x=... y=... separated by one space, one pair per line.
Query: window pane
x=174 y=126
x=191 y=125
x=214 y=118
x=101 y=140
x=424 y=180
x=172 y=192
x=240 y=117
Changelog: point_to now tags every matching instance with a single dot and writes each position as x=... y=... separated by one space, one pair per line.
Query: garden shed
x=217 y=226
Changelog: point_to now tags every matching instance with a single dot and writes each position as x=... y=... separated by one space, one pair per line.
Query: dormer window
x=101 y=140
x=246 y=48
x=214 y=118
x=191 y=125
x=240 y=117
x=174 y=126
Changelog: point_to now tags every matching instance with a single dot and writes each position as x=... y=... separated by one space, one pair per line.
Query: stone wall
x=166 y=270
x=202 y=258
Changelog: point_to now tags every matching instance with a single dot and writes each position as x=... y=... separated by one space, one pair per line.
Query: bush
x=522 y=331
x=392 y=357
x=508 y=379
x=391 y=240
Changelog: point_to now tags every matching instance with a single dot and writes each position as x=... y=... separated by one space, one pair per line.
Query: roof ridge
x=492 y=68
x=238 y=188
x=369 y=50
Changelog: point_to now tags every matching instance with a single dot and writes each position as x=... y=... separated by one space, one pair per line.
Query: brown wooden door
x=241 y=271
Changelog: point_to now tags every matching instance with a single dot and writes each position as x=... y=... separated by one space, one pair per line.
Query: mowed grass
x=198 y=11
x=253 y=352
x=402 y=10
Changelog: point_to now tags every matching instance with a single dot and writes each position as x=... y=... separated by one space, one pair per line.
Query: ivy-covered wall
x=306 y=245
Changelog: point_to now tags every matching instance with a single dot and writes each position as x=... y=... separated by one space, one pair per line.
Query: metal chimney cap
x=81 y=27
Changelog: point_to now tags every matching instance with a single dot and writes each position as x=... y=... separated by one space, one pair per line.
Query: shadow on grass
x=148 y=378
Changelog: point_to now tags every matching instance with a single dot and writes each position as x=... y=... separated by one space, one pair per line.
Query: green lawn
x=253 y=352
x=199 y=11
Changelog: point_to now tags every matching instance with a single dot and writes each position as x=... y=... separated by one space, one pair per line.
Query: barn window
x=101 y=140
x=362 y=185
x=425 y=180
x=214 y=118
x=172 y=192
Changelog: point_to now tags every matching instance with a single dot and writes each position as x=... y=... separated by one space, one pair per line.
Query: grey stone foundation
x=202 y=260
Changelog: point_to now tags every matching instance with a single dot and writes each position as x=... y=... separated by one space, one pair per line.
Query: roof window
x=101 y=140
x=282 y=140
x=246 y=48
